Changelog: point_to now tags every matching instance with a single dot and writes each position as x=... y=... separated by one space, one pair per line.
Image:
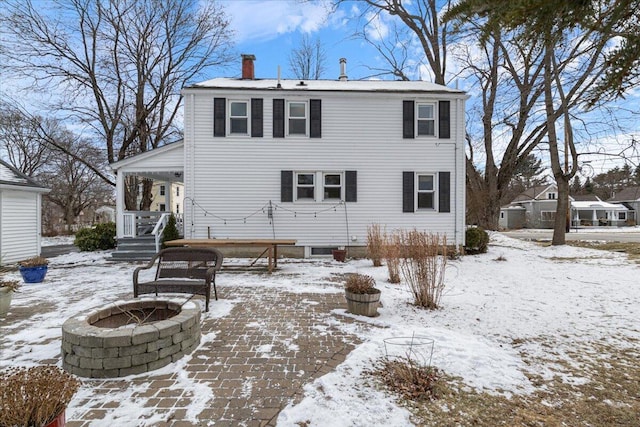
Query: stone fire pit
x=129 y=337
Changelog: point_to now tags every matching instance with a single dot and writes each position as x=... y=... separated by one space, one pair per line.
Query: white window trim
x=315 y=186
x=248 y=117
x=435 y=117
x=306 y=118
x=341 y=174
x=552 y=195
x=434 y=191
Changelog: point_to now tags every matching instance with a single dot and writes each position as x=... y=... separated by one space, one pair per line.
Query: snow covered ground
x=497 y=306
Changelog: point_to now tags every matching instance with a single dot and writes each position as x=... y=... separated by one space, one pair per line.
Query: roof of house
x=12 y=176
x=586 y=198
x=587 y=205
x=627 y=194
x=532 y=193
x=326 y=85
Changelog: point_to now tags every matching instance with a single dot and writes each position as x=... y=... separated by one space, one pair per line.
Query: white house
x=318 y=161
x=20 y=213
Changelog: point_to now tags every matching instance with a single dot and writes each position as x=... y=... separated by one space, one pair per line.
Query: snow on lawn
x=517 y=291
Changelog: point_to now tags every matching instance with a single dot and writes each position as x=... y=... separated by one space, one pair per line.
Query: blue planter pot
x=33 y=274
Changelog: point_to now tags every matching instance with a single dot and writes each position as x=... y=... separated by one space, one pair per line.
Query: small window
x=163 y=190
x=551 y=196
x=332 y=186
x=162 y=207
x=622 y=215
x=426 y=192
x=502 y=215
x=177 y=208
x=426 y=120
x=315 y=251
x=238 y=117
x=297 y=118
x=178 y=191
x=305 y=186
x=548 y=215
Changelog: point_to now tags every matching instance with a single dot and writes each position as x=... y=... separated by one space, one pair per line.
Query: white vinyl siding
x=360 y=132
x=19 y=225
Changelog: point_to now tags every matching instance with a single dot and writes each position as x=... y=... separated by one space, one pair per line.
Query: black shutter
x=408 y=125
x=286 y=186
x=315 y=118
x=219 y=119
x=278 y=118
x=444 y=191
x=444 y=119
x=351 y=186
x=408 y=194
x=256 y=117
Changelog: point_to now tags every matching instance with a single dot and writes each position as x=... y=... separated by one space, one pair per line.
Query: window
x=622 y=215
x=305 y=186
x=238 y=117
x=162 y=207
x=551 y=196
x=426 y=120
x=177 y=191
x=162 y=190
x=426 y=192
x=502 y=215
x=548 y=215
x=297 y=118
x=177 y=208
x=332 y=186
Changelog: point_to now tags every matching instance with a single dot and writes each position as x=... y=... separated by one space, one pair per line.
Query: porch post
x=119 y=204
x=594 y=217
x=167 y=196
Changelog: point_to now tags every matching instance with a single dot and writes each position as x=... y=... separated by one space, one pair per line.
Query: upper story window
x=238 y=117
x=305 y=186
x=177 y=191
x=332 y=186
x=426 y=120
x=297 y=118
x=551 y=196
x=163 y=190
x=426 y=191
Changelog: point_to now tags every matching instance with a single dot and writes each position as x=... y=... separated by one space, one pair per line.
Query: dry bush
x=423 y=266
x=34 y=396
x=392 y=253
x=360 y=284
x=410 y=380
x=375 y=244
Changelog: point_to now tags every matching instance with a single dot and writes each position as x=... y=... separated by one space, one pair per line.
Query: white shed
x=20 y=213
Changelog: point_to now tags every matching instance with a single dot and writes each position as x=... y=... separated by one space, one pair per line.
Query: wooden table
x=270 y=245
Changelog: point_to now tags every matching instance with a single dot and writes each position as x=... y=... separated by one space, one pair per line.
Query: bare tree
x=308 y=61
x=120 y=64
x=23 y=139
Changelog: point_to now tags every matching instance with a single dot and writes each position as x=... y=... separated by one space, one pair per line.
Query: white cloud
x=268 y=19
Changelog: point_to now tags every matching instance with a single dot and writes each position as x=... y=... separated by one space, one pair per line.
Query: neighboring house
x=536 y=208
x=630 y=198
x=20 y=213
x=319 y=161
x=167 y=197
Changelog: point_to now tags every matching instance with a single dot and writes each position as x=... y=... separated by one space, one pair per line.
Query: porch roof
x=597 y=205
x=164 y=163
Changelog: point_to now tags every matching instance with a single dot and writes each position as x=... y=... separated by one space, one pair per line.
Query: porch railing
x=140 y=223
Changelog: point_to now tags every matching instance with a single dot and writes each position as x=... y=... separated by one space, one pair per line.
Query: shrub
x=36 y=261
x=99 y=237
x=375 y=244
x=423 y=266
x=476 y=241
x=392 y=253
x=170 y=231
x=360 y=284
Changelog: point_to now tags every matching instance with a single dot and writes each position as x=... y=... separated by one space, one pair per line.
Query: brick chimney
x=247 y=67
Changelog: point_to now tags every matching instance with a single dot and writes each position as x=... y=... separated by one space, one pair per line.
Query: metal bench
x=181 y=270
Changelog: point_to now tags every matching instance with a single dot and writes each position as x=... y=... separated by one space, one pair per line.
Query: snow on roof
x=327 y=85
x=597 y=205
x=11 y=176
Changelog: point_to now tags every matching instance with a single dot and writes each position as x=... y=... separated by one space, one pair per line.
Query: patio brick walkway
x=271 y=344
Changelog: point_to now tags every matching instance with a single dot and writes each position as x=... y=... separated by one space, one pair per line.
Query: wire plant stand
x=416 y=349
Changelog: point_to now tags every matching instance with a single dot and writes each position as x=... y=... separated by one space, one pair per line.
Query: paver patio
x=263 y=352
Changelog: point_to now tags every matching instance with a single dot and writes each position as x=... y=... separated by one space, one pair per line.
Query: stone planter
x=33 y=274
x=363 y=304
x=5 y=300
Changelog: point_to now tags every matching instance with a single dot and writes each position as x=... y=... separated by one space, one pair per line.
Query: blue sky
x=271 y=29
